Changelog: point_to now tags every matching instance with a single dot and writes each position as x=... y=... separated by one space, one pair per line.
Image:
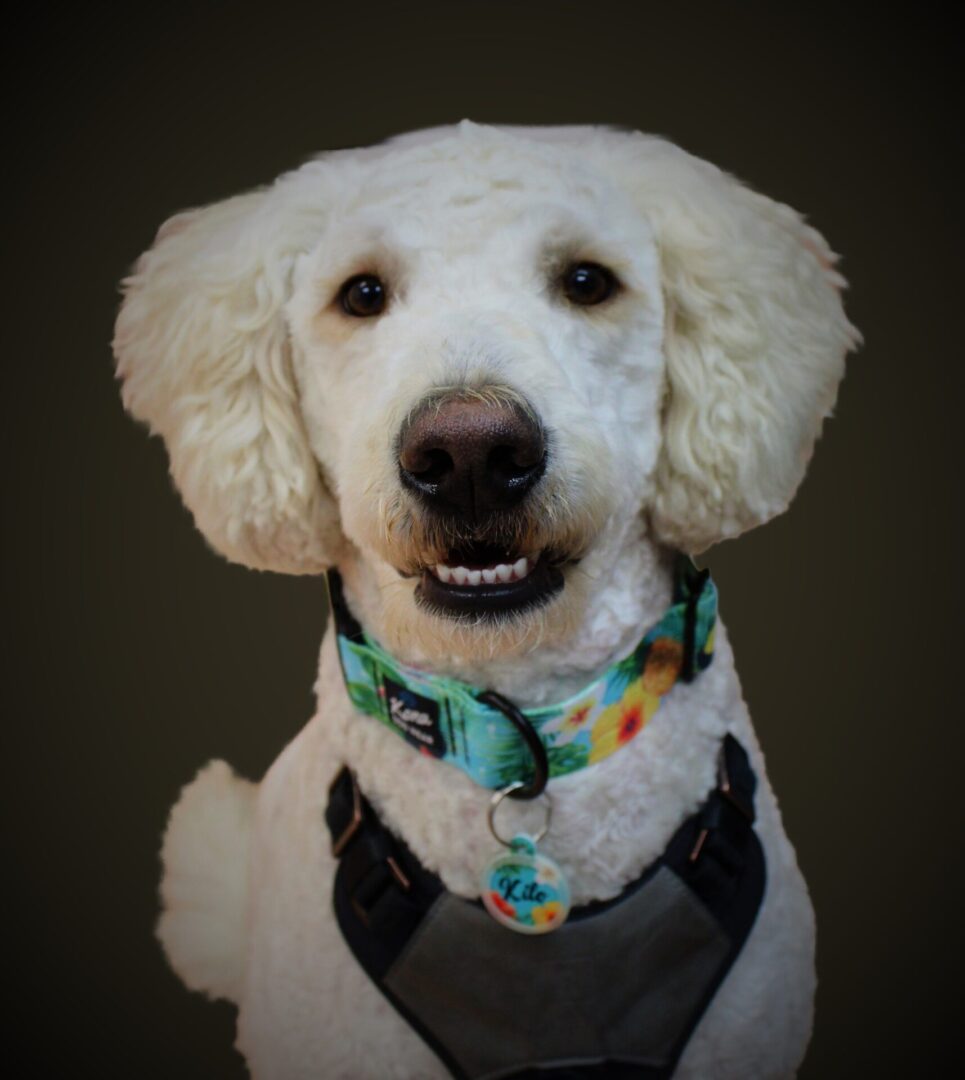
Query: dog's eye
x=362 y=296
x=588 y=283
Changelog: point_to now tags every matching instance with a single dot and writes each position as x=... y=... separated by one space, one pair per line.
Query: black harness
x=615 y=992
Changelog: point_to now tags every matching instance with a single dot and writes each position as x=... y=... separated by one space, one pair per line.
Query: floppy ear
x=756 y=338
x=203 y=351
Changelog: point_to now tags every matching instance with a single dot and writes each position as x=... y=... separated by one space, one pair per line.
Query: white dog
x=497 y=377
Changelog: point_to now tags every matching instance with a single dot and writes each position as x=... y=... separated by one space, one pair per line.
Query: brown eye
x=588 y=283
x=362 y=296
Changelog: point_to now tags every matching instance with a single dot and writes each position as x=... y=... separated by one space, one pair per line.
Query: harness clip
x=355 y=823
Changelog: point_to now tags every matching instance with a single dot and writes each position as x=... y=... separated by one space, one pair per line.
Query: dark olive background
x=134 y=654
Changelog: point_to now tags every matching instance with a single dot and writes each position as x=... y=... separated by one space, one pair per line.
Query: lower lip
x=501 y=598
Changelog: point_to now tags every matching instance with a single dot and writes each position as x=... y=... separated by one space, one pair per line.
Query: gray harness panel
x=623 y=984
x=615 y=992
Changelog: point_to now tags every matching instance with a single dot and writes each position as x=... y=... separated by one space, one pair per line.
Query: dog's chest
x=609 y=820
x=609 y=823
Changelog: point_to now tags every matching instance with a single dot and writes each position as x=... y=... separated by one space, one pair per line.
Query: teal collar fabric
x=444 y=718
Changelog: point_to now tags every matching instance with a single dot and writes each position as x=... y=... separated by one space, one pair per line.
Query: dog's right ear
x=203 y=352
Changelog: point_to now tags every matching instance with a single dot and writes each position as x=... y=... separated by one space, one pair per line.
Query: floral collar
x=445 y=718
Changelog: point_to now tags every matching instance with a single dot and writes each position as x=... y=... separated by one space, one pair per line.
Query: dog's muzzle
x=471 y=458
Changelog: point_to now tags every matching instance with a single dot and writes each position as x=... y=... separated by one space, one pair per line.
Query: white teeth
x=490 y=575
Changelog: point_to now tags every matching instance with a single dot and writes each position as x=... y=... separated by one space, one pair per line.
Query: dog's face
x=484 y=365
x=478 y=354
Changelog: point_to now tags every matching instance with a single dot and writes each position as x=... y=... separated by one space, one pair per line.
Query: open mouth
x=484 y=579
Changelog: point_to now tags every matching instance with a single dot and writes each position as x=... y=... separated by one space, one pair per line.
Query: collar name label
x=415 y=717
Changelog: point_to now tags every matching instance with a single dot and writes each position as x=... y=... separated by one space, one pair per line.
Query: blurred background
x=133 y=654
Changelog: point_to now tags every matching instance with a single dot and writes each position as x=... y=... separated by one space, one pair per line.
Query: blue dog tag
x=524 y=890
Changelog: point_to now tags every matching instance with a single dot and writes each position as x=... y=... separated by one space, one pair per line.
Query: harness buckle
x=371 y=864
x=699 y=845
x=726 y=789
x=375 y=882
x=355 y=823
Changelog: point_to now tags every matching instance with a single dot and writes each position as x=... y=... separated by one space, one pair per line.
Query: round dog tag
x=525 y=890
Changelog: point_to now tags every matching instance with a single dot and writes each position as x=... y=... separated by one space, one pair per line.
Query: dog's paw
x=204 y=885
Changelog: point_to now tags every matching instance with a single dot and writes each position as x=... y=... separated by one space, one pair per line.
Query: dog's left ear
x=756 y=337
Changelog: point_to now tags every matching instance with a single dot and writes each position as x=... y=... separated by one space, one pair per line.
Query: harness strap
x=382 y=890
x=382 y=894
x=711 y=850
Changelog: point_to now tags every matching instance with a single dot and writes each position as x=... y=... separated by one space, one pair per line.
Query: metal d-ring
x=541 y=766
x=510 y=791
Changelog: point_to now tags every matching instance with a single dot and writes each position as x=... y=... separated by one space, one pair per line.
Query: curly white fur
x=205 y=886
x=681 y=412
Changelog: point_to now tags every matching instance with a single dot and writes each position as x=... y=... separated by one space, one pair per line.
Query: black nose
x=470 y=455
